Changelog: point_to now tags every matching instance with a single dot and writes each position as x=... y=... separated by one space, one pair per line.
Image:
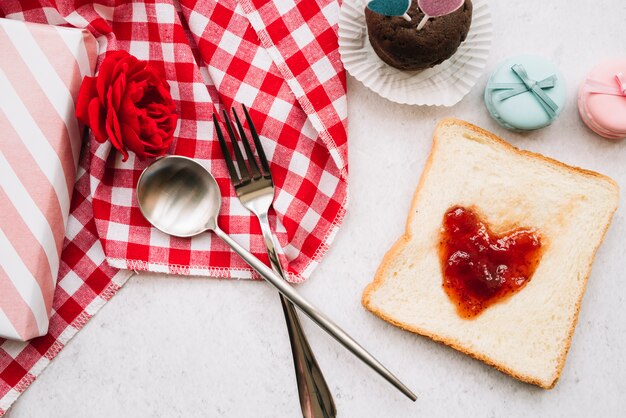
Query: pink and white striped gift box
x=41 y=68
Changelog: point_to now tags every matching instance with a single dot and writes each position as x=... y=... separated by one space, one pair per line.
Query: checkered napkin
x=281 y=60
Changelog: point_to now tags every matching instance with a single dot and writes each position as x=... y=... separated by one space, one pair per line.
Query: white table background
x=172 y=346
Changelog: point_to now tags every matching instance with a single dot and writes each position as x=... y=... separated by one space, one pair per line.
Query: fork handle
x=316 y=400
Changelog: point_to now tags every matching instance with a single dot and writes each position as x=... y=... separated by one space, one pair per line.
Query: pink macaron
x=602 y=99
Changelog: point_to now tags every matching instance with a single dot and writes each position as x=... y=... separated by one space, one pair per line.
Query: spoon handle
x=312 y=312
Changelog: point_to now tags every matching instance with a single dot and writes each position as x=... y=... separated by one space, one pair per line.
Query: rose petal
x=97 y=120
x=105 y=74
x=86 y=92
x=113 y=130
x=129 y=114
x=134 y=91
x=133 y=143
x=117 y=91
x=137 y=70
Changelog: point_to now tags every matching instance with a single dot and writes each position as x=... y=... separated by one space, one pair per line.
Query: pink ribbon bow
x=599 y=87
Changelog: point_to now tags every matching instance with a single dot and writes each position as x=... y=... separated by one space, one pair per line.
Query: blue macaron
x=525 y=93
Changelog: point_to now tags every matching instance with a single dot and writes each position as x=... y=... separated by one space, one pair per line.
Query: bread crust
x=407 y=236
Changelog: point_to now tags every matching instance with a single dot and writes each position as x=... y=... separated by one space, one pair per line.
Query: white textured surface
x=201 y=347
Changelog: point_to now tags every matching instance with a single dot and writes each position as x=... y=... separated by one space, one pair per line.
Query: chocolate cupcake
x=398 y=42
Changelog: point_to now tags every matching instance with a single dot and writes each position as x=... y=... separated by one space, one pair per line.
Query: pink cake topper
x=436 y=8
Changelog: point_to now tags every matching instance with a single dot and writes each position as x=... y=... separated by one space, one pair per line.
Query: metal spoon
x=181 y=198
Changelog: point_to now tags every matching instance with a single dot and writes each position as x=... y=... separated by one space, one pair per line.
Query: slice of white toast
x=528 y=334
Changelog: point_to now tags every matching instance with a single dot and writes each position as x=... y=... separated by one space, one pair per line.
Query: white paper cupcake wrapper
x=443 y=85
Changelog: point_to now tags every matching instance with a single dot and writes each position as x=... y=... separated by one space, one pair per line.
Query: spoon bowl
x=179 y=196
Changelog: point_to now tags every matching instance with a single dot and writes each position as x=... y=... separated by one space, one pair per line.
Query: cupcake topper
x=529 y=85
x=391 y=8
x=436 y=8
x=600 y=87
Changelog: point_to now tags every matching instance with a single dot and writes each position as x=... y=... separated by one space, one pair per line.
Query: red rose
x=130 y=104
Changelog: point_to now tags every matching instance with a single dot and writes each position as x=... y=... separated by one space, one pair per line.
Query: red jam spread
x=481 y=268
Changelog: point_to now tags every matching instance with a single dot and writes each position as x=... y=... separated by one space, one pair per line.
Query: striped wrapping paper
x=41 y=68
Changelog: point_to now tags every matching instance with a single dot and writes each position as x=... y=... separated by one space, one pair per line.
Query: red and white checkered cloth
x=281 y=60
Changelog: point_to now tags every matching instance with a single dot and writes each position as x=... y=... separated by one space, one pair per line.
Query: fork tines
x=250 y=171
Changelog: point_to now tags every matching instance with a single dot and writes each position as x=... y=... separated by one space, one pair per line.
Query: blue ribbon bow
x=529 y=85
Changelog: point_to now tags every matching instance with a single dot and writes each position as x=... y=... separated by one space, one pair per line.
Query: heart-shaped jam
x=481 y=268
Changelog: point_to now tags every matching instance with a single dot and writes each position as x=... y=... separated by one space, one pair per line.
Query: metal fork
x=255 y=189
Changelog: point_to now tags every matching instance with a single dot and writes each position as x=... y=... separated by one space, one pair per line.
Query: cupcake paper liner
x=443 y=85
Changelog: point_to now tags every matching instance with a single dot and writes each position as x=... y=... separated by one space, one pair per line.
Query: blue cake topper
x=391 y=7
